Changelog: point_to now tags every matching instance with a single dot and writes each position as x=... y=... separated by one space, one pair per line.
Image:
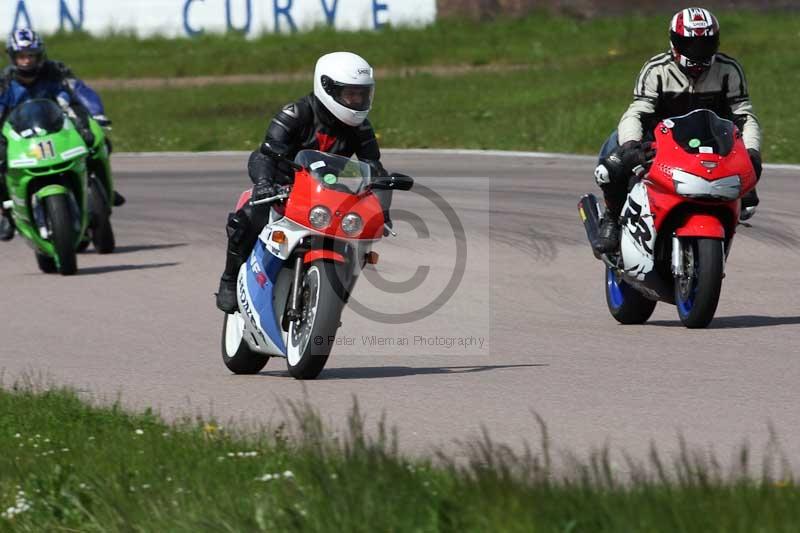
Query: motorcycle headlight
x=692 y=186
x=320 y=217
x=352 y=224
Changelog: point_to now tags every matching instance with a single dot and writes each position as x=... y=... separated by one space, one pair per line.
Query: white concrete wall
x=184 y=18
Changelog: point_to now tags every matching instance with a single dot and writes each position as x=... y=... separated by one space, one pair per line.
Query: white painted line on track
x=423 y=151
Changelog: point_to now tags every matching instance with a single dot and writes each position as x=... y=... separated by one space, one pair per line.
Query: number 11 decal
x=46 y=150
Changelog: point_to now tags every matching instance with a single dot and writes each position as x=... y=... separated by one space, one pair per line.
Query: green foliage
x=65 y=465
x=549 y=83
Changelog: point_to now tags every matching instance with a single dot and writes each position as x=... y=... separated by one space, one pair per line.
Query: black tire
x=308 y=349
x=626 y=304
x=236 y=354
x=100 y=218
x=46 y=263
x=85 y=242
x=62 y=232
x=697 y=298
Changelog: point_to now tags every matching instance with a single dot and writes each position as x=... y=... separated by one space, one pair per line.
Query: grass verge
x=577 y=83
x=67 y=466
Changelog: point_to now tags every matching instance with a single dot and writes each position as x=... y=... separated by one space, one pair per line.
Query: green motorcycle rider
x=32 y=76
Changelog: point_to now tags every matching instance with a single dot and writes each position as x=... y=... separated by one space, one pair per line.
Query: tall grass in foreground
x=66 y=466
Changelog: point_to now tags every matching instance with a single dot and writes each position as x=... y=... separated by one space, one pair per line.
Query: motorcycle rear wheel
x=697 y=295
x=236 y=354
x=100 y=213
x=626 y=304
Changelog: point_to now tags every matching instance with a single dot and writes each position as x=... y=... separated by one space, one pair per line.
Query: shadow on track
x=737 y=322
x=89 y=271
x=146 y=247
x=371 y=372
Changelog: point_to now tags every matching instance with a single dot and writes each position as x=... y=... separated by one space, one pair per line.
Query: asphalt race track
x=525 y=330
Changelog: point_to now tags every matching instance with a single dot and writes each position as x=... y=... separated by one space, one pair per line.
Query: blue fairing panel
x=261 y=280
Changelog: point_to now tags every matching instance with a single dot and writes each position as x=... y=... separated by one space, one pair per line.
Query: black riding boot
x=243 y=228
x=610 y=229
x=608 y=236
x=749 y=203
x=226 y=296
x=7 y=227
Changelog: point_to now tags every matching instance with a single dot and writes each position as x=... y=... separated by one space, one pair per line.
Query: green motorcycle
x=60 y=191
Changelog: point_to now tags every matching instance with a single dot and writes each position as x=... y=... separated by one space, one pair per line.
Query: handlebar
x=271 y=199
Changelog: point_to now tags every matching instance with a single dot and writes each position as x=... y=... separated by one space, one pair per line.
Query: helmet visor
x=698 y=49
x=355 y=97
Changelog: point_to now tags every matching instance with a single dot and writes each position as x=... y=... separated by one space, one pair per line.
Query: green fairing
x=45 y=164
x=50 y=190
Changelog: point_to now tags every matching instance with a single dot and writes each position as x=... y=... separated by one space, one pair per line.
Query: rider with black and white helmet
x=332 y=119
x=692 y=75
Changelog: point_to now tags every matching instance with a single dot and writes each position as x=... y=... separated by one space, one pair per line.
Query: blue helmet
x=25 y=40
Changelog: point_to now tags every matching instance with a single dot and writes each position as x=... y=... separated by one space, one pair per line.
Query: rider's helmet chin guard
x=345 y=84
x=25 y=40
x=694 y=40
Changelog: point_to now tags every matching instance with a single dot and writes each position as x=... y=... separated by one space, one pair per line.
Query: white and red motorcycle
x=296 y=281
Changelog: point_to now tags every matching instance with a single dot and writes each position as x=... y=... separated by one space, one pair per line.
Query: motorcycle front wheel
x=311 y=338
x=697 y=292
x=62 y=234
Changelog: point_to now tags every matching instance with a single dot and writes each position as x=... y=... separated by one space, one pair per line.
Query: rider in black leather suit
x=332 y=119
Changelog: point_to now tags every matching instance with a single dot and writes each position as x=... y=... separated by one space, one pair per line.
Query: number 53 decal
x=44 y=150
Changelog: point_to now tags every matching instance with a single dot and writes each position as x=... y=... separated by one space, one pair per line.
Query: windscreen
x=37 y=117
x=335 y=172
x=702 y=132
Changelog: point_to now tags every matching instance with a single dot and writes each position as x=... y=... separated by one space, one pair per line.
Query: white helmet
x=344 y=83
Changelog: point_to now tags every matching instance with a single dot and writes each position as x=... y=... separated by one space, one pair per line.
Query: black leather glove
x=87 y=136
x=634 y=154
x=750 y=199
x=263 y=189
x=755 y=158
x=622 y=161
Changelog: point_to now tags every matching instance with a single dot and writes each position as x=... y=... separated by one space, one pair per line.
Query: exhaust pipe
x=589 y=211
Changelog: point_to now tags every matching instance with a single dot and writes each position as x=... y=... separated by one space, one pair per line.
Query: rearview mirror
x=395 y=181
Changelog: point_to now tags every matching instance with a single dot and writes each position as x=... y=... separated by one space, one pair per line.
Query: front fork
x=293 y=313
x=677 y=257
x=678 y=263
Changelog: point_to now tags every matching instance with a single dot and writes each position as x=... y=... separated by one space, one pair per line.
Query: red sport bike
x=295 y=283
x=678 y=221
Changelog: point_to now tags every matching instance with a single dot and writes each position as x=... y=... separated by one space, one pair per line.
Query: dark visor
x=355 y=97
x=699 y=49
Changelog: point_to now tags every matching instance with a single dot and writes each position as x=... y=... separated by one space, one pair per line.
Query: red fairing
x=244 y=198
x=701 y=225
x=317 y=254
x=664 y=199
x=308 y=193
